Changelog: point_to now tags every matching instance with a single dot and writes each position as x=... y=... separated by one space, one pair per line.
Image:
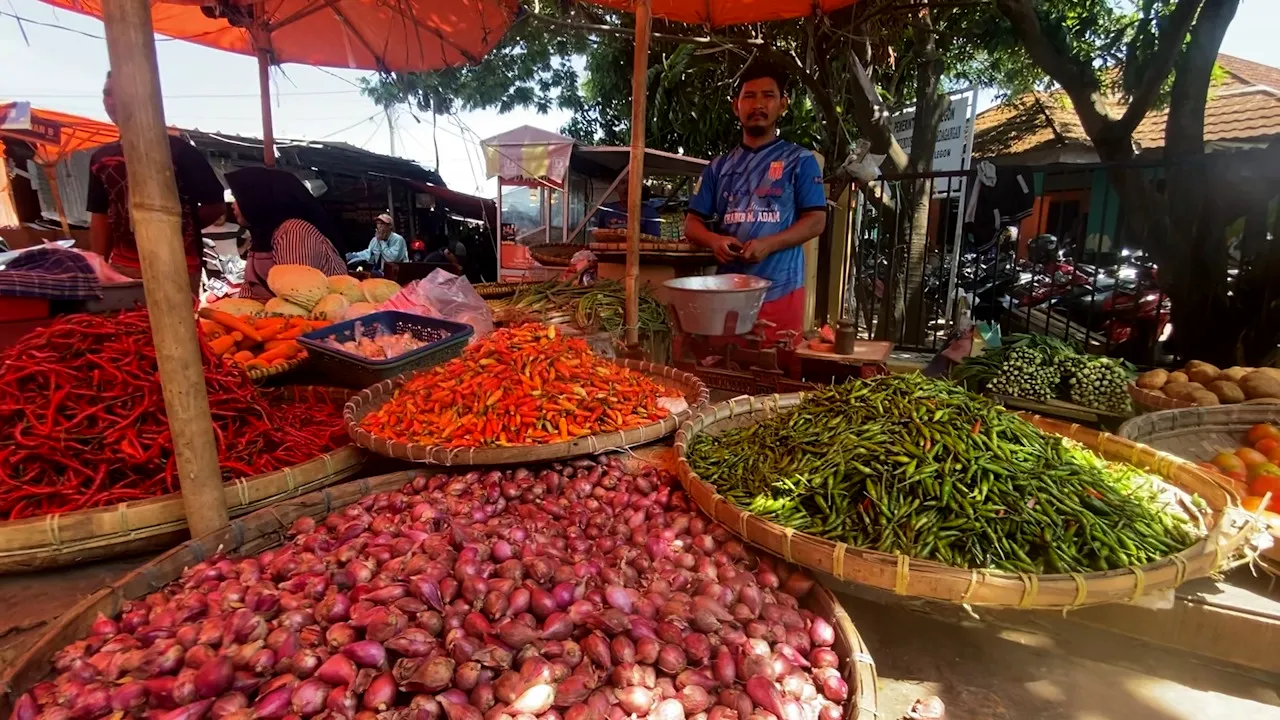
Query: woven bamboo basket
x=1148 y=401
x=695 y=394
x=555 y=255
x=496 y=290
x=260 y=375
x=265 y=528
x=1228 y=529
x=1198 y=433
x=147 y=525
x=140 y=526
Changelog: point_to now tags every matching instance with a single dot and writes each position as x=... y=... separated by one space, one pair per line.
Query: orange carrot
x=286 y=351
x=243 y=356
x=220 y=345
x=271 y=327
x=231 y=322
x=211 y=329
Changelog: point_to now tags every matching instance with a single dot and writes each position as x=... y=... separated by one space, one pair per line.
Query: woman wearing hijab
x=287 y=226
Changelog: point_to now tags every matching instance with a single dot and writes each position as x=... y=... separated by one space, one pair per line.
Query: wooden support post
x=639 y=93
x=51 y=174
x=264 y=92
x=157 y=225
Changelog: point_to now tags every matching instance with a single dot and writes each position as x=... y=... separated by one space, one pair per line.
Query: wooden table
x=868 y=356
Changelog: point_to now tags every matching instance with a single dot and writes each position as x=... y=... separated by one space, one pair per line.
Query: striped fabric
x=295 y=242
x=298 y=242
x=50 y=272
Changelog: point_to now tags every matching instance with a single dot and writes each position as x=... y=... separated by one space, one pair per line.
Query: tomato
x=1227 y=462
x=1266 y=445
x=1253 y=504
x=1274 y=456
x=1260 y=485
x=1264 y=469
x=1251 y=457
x=1262 y=431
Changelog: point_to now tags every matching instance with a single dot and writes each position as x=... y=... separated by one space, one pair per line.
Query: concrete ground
x=1004 y=667
x=990 y=670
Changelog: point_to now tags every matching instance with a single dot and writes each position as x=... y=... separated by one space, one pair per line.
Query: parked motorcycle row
x=1115 y=308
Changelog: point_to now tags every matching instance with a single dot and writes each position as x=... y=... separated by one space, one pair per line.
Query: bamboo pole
x=153 y=207
x=51 y=174
x=264 y=92
x=639 y=93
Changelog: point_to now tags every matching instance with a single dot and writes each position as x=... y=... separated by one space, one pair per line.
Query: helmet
x=418 y=245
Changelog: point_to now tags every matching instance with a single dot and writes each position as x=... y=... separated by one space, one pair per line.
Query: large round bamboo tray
x=156 y=523
x=1228 y=529
x=265 y=528
x=695 y=394
x=1198 y=433
x=146 y=525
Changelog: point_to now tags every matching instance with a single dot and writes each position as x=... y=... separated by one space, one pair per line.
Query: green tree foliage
x=1168 y=49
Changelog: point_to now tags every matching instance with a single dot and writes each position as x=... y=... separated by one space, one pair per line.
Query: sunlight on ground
x=1030 y=639
x=1046 y=690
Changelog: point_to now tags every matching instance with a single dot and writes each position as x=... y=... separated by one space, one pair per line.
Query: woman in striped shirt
x=287 y=226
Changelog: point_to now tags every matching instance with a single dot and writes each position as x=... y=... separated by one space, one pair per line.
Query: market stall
x=54 y=137
x=568 y=184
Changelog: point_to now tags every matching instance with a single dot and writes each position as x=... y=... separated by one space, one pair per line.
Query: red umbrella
x=395 y=35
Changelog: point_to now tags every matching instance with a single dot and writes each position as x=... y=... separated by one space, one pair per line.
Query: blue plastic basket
x=347 y=369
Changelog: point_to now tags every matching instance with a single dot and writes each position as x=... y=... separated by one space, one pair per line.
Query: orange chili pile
x=527 y=385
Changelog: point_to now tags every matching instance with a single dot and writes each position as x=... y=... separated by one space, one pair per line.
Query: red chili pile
x=81 y=405
x=573 y=593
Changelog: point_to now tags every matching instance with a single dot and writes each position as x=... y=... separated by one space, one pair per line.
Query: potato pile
x=1200 y=383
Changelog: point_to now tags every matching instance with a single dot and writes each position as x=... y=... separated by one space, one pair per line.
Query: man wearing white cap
x=386 y=245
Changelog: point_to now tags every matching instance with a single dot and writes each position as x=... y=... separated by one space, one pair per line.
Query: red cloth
x=786 y=313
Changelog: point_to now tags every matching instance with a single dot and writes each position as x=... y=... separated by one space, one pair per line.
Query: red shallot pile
x=576 y=592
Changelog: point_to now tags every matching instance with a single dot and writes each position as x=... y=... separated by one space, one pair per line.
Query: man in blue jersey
x=755 y=206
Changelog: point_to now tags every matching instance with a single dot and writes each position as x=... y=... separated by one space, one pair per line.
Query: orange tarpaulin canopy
x=54 y=135
x=405 y=36
x=730 y=12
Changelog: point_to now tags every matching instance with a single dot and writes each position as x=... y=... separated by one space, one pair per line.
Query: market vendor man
x=386 y=246
x=757 y=205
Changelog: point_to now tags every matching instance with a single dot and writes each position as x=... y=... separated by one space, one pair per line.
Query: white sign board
x=949 y=151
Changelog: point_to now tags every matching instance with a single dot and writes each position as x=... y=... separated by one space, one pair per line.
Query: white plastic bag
x=446 y=296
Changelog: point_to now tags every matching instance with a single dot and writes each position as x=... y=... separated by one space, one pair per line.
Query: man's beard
x=756 y=130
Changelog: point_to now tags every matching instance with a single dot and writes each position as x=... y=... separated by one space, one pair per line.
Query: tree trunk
x=1193 y=256
x=931 y=106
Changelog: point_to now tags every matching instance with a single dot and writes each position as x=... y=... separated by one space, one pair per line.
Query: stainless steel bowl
x=717 y=304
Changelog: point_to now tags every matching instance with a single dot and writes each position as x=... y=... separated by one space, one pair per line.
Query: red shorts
x=785 y=313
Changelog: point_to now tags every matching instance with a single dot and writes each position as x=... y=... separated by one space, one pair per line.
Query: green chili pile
x=906 y=464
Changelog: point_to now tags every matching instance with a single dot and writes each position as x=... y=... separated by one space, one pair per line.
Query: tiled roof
x=1243 y=106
